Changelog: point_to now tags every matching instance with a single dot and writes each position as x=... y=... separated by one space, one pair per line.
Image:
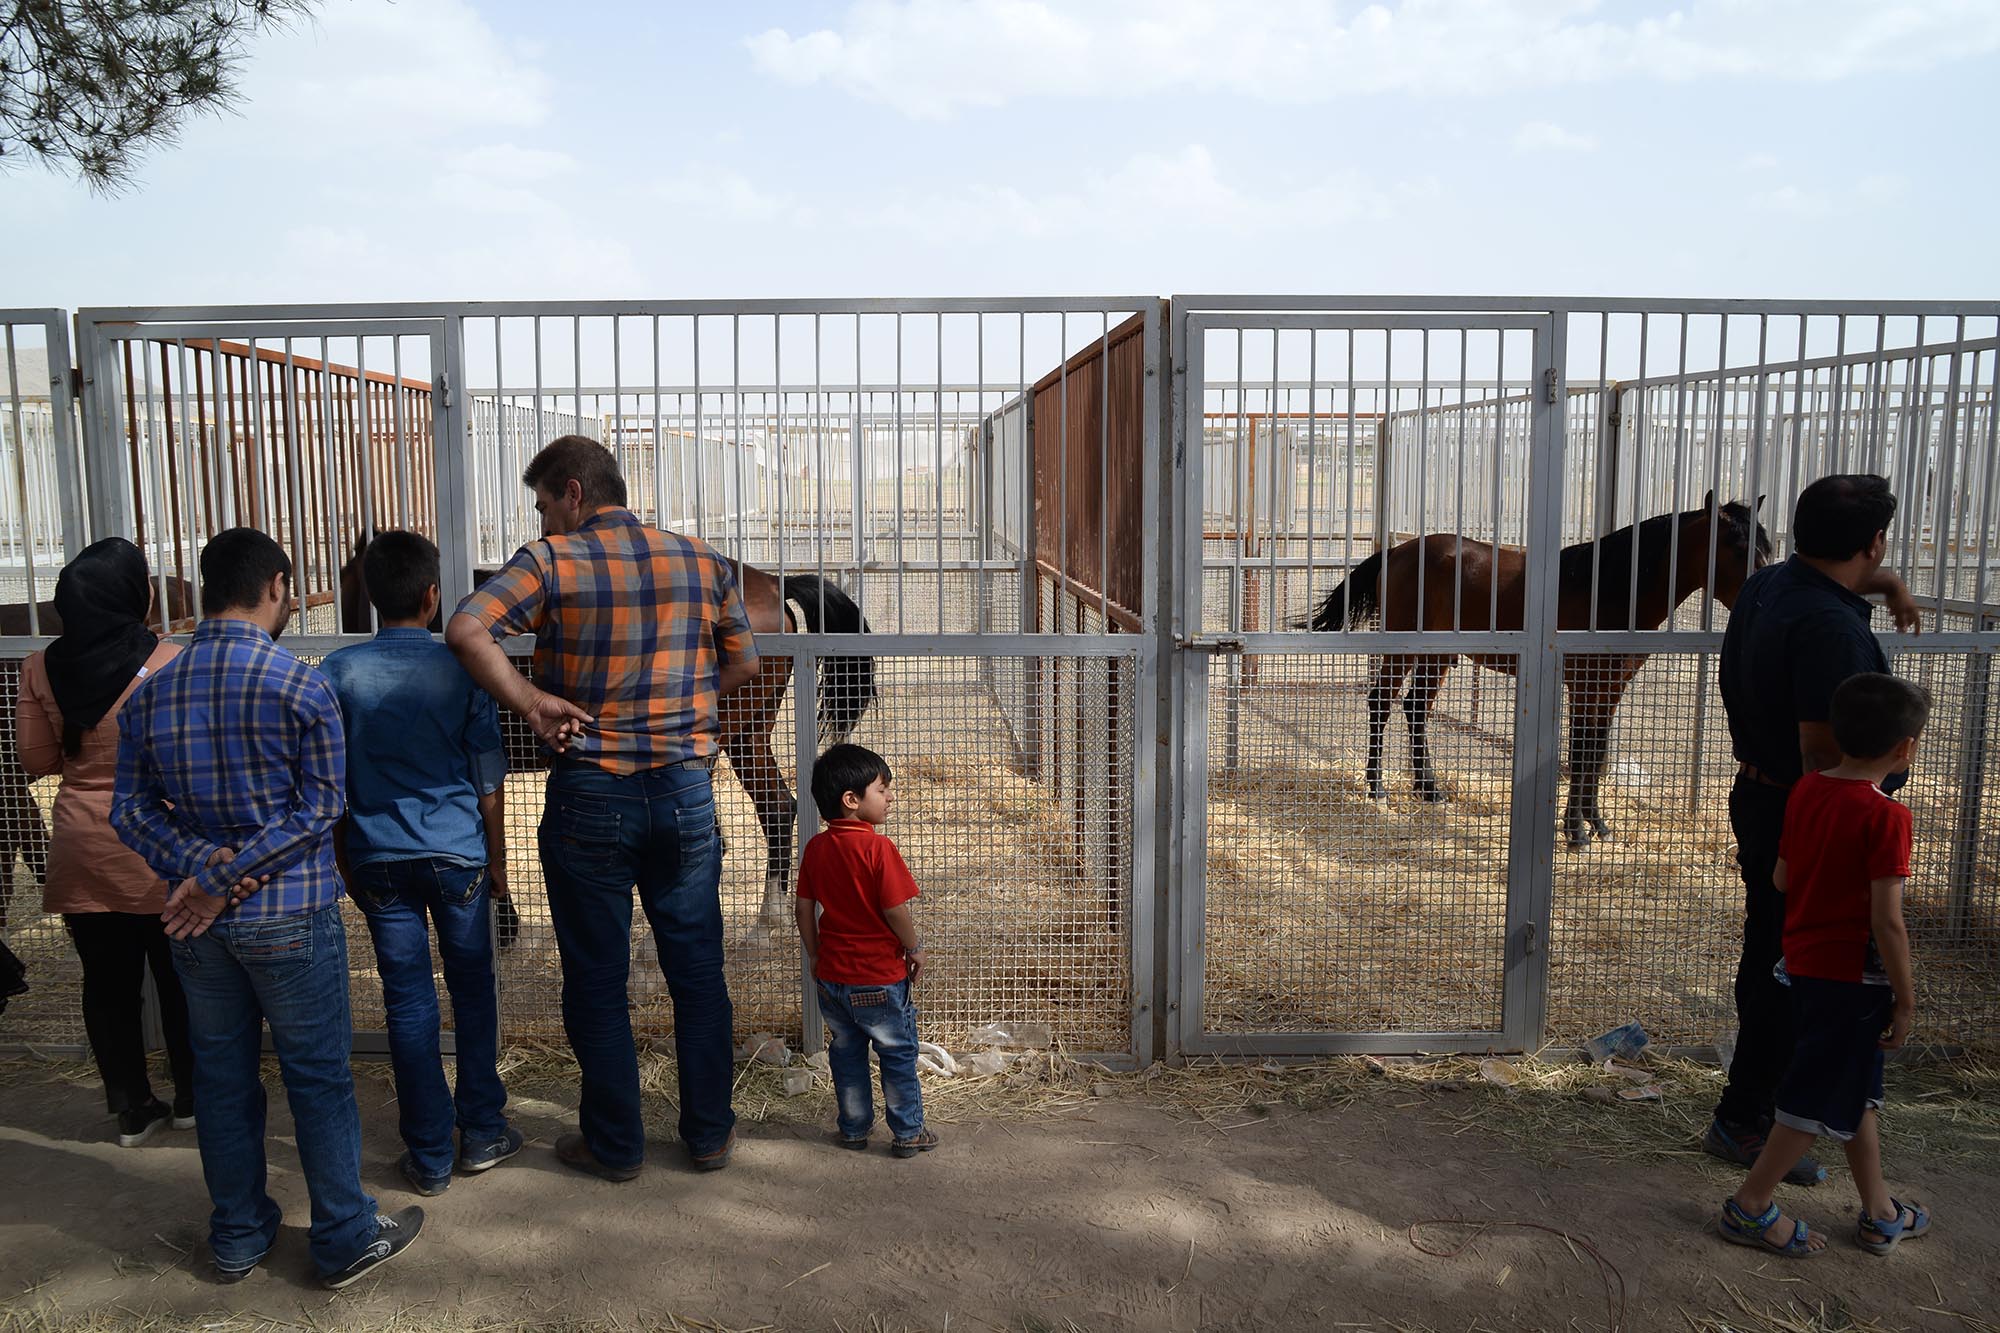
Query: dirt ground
x=1184 y=1199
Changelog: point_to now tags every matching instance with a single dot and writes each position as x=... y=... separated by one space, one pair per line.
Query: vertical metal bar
x=700 y=444
x=295 y=474
x=1271 y=419
x=1675 y=591
x=858 y=444
x=189 y=427
x=1031 y=596
x=659 y=450
x=736 y=387
x=1990 y=481
x=403 y=497
x=937 y=466
x=161 y=526
x=1458 y=500
x=1312 y=462
x=335 y=534
x=1104 y=476
x=1639 y=477
x=902 y=601
x=805 y=748
x=1599 y=424
x=1239 y=486
x=1062 y=472
x=1537 y=732
x=34 y=592
x=1715 y=449
x=366 y=419
x=1423 y=466
x=1945 y=531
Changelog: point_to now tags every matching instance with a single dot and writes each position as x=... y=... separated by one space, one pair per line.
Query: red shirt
x=1840 y=834
x=855 y=874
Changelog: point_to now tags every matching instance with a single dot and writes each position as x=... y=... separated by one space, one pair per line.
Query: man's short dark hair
x=582 y=460
x=236 y=566
x=1874 y=713
x=843 y=769
x=400 y=567
x=1838 y=516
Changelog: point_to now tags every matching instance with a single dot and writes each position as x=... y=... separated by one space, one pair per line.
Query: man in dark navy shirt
x=1797 y=631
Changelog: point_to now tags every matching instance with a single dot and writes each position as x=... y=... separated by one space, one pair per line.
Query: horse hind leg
x=757 y=770
x=1427 y=680
x=1383 y=686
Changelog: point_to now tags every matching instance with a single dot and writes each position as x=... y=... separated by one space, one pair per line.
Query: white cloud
x=1186 y=187
x=726 y=194
x=1541 y=136
x=400 y=72
x=930 y=58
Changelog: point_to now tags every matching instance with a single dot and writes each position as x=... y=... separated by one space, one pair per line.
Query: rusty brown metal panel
x=1081 y=524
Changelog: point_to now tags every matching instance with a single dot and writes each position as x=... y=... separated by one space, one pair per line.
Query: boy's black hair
x=843 y=769
x=1838 y=516
x=399 y=567
x=236 y=566
x=1874 y=713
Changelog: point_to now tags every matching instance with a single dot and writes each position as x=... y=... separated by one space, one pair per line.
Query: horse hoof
x=1578 y=837
x=1432 y=795
x=1601 y=829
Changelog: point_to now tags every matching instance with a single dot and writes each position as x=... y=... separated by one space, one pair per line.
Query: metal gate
x=1303 y=923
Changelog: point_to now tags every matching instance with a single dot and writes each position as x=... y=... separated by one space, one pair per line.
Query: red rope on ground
x=1607 y=1272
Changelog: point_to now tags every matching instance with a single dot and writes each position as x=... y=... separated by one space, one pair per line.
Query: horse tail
x=846 y=684
x=1352 y=601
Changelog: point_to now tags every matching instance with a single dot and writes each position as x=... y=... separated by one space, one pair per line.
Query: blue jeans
x=290 y=971
x=889 y=1020
x=395 y=896
x=601 y=834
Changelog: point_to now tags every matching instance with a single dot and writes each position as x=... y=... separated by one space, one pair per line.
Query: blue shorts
x=1835 y=1076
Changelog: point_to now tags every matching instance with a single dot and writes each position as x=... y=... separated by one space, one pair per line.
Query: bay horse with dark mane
x=1670 y=552
x=749 y=717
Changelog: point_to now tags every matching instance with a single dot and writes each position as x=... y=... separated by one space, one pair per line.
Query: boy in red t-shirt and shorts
x=860 y=942
x=1842 y=861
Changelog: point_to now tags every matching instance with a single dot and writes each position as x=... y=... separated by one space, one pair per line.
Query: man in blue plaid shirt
x=232 y=764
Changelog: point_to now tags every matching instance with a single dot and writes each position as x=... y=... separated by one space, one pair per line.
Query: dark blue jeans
x=395 y=897
x=602 y=834
x=855 y=1016
x=291 y=972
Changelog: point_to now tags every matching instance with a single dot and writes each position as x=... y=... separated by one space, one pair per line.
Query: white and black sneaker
x=393 y=1234
x=141 y=1123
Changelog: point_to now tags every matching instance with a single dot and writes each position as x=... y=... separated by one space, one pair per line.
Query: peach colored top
x=89 y=869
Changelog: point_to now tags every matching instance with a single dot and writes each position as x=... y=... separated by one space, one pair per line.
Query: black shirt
x=1794 y=635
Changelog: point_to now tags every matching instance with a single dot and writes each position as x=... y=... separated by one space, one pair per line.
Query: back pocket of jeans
x=590 y=832
x=459 y=885
x=699 y=828
x=286 y=940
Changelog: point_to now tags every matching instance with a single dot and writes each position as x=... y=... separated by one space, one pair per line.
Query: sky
x=512 y=149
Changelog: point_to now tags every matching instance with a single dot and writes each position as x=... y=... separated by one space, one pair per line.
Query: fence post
x=1971 y=787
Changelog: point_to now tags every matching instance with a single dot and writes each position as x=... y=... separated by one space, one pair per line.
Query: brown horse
x=1670 y=569
x=749 y=717
x=23 y=835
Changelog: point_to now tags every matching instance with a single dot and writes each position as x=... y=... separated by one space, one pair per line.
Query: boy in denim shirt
x=860 y=942
x=425 y=833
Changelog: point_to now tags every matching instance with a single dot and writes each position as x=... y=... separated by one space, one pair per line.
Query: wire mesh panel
x=1354 y=783
x=50 y=1015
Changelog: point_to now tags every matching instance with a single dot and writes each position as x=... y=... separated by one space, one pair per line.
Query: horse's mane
x=1651 y=544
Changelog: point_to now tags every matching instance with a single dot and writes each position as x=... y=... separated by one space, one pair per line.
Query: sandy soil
x=1127 y=1212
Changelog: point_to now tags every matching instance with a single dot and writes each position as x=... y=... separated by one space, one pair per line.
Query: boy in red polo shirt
x=860 y=942
x=1842 y=861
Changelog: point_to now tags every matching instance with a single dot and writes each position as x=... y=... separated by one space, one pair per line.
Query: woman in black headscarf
x=66 y=721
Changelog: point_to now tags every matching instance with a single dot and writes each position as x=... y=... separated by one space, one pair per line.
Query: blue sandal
x=1739 y=1228
x=1878 y=1236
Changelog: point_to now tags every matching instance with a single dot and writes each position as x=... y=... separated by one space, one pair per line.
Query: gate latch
x=1221 y=643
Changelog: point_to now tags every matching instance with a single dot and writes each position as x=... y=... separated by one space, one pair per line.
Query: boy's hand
x=1899 y=1026
x=915 y=958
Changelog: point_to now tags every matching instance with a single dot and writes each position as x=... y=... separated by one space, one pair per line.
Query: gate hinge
x=1549 y=385
x=1529 y=942
x=444 y=389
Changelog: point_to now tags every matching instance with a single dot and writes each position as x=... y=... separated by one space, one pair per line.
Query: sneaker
x=573 y=1152
x=141 y=1123
x=183 y=1111
x=923 y=1141
x=428 y=1186
x=476 y=1157
x=1739 y=1146
x=394 y=1233
x=231 y=1274
x=715 y=1161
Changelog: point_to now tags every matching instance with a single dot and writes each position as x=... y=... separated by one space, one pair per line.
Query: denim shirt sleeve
x=483 y=744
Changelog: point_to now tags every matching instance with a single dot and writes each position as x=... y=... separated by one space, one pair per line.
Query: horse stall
x=1540 y=850
x=1228 y=715
x=843 y=450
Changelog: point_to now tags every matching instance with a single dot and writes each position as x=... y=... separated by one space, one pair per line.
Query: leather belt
x=705 y=764
x=1760 y=777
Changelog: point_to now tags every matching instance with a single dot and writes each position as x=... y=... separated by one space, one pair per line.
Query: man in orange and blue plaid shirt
x=638 y=635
